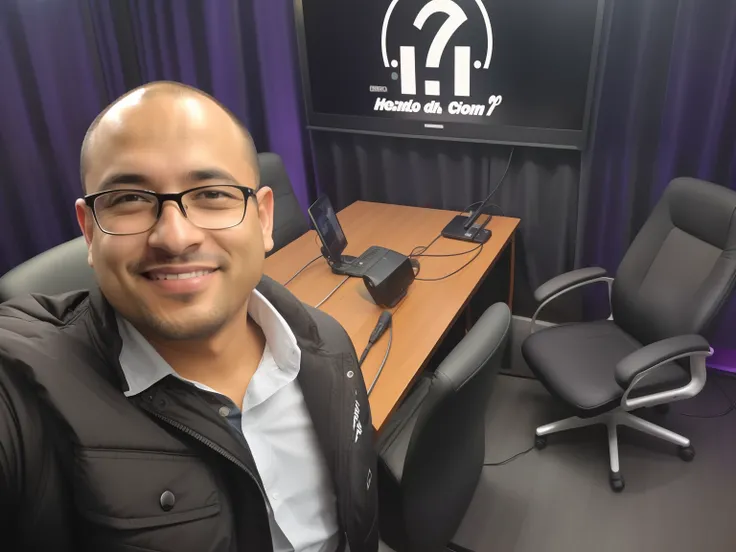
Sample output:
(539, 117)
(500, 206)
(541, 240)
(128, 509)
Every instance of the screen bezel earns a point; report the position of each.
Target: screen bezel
(460, 132)
(320, 202)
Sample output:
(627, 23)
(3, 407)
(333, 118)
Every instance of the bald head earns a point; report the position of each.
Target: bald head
(144, 109)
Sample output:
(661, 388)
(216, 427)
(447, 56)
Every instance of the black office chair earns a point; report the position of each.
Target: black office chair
(60, 269)
(433, 448)
(289, 221)
(670, 285)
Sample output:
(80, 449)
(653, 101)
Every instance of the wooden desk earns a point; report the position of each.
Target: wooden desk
(421, 320)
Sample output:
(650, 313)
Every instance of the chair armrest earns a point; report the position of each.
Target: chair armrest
(657, 353)
(568, 280)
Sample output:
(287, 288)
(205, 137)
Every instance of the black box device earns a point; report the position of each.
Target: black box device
(389, 278)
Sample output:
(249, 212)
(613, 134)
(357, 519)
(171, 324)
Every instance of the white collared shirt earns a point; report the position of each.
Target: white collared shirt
(276, 425)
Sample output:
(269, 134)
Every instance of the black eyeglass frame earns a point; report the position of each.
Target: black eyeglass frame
(89, 199)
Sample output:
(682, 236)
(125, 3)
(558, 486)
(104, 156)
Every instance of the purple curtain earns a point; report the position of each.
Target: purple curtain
(50, 92)
(667, 108)
(63, 61)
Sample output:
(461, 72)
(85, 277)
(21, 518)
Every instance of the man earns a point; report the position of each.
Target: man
(190, 403)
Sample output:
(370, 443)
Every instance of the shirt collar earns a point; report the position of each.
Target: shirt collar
(142, 366)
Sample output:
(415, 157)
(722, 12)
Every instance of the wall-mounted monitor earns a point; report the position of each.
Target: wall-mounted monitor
(505, 71)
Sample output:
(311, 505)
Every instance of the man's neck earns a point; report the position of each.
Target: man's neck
(225, 362)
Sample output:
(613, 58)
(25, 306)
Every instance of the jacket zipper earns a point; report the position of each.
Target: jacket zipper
(342, 457)
(217, 448)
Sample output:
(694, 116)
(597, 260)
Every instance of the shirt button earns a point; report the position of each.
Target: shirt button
(275, 496)
(224, 411)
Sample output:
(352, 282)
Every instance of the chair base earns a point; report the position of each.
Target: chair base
(612, 420)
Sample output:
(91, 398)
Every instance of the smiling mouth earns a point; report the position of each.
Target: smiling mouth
(179, 275)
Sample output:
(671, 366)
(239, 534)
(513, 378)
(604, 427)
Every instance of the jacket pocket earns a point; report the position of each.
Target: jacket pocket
(123, 489)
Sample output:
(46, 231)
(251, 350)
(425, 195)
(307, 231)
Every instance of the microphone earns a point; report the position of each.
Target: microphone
(384, 321)
(474, 215)
(461, 227)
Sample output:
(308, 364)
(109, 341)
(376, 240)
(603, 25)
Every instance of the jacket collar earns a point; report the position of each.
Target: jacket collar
(107, 339)
(293, 310)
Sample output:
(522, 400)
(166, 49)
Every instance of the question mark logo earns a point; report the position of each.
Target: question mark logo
(407, 54)
(455, 18)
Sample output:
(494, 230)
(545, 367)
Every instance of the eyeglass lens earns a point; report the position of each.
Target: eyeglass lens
(133, 212)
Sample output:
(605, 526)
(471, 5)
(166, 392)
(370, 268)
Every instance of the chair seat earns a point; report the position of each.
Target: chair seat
(577, 362)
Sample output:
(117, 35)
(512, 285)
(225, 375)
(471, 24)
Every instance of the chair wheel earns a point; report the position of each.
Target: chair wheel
(662, 408)
(617, 481)
(686, 453)
(540, 441)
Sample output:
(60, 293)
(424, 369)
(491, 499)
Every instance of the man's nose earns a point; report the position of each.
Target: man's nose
(173, 231)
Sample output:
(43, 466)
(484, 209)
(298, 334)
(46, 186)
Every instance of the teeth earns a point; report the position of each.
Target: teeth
(181, 276)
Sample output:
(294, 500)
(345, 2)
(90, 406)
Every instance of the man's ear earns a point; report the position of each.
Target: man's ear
(264, 198)
(86, 222)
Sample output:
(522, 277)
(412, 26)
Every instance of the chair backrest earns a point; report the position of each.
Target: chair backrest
(58, 270)
(680, 268)
(447, 446)
(289, 221)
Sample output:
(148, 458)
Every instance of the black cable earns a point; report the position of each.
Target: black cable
(498, 207)
(338, 286)
(302, 269)
(438, 236)
(383, 362)
(423, 248)
(505, 172)
(731, 406)
(423, 253)
(511, 459)
(474, 216)
(445, 254)
(479, 248)
(708, 417)
(503, 177)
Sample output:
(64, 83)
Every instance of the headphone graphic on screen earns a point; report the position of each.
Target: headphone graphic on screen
(406, 63)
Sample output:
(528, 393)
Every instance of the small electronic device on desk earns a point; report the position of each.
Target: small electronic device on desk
(469, 228)
(334, 242)
(389, 279)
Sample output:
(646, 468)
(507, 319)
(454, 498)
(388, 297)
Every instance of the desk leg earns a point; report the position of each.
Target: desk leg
(511, 272)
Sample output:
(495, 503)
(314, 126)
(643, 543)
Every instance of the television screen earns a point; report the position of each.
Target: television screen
(507, 71)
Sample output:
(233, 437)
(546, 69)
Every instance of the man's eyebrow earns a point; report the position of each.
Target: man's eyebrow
(200, 175)
(122, 178)
(209, 174)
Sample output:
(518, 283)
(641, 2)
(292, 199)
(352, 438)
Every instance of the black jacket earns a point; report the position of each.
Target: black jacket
(82, 467)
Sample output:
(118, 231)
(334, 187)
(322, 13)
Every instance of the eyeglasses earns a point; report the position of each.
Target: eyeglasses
(126, 212)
